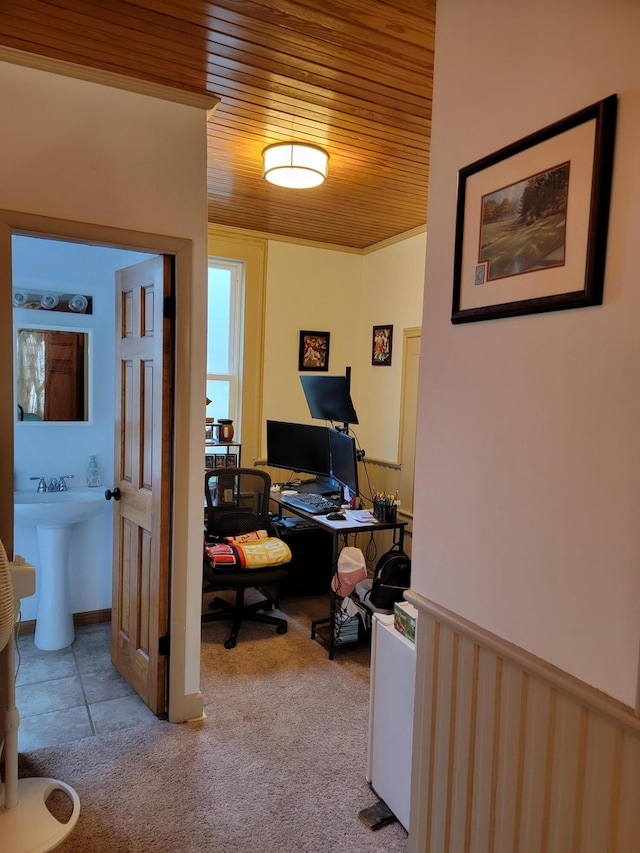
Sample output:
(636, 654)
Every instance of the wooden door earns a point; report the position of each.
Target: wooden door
(64, 376)
(142, 474)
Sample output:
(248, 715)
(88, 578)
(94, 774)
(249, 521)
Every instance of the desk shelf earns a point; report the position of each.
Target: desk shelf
(221, 454)
(322, 629)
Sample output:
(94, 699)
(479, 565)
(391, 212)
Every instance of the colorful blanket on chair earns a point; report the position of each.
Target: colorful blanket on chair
(250, 551)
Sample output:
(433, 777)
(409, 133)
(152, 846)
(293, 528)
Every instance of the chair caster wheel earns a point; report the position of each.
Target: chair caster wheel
(229, 644)
(281, 629)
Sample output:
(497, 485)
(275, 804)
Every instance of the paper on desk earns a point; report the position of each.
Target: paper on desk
(362, 516)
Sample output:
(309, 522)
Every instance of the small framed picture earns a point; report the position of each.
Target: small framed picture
(381, 346)
(225, 460)
(314, 351)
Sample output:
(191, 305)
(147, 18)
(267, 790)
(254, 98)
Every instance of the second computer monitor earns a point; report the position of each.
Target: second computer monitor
(299, 447)
(344, 463)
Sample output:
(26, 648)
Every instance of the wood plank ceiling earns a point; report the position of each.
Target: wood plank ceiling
(354, 77)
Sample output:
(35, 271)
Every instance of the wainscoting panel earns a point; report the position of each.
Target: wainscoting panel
(512, 755)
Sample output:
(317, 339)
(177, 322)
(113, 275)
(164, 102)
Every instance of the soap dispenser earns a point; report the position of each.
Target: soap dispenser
(93, 474)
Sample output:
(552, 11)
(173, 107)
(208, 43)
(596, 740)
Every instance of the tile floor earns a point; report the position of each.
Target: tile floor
(73, 693)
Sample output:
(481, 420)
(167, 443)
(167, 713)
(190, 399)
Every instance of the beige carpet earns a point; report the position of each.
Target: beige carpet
(277, 766)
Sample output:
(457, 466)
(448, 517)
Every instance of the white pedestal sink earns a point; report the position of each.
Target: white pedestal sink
(53, 514)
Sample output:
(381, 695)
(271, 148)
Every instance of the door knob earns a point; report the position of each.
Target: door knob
(115, 494)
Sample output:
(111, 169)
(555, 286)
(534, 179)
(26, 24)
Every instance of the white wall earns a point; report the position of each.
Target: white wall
(345, 294)
(528, 471)
(77, 151)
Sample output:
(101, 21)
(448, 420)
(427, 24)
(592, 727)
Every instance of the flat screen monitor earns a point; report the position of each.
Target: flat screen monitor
(344, 467)
(329, 399)
(299, 447)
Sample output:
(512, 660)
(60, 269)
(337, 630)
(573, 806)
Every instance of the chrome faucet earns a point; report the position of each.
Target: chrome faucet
(42, 485)
(57, 484)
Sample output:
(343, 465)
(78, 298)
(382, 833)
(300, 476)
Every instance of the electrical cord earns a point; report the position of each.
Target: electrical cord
(17, 646)
(361, 452)
(371, 550)
(292, 481)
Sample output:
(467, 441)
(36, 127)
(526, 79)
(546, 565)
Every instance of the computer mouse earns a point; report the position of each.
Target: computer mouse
(336, 516)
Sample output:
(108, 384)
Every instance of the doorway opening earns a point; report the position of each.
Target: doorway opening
(56, 447)
(77, 283)
(182, 522)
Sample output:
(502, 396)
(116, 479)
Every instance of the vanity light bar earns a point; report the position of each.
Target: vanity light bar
(47, 300)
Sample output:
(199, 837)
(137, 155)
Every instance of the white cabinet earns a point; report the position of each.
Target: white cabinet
(393, 673)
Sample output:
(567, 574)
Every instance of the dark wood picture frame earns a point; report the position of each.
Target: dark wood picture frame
(381, 346)
(313, 354)
(532, 220)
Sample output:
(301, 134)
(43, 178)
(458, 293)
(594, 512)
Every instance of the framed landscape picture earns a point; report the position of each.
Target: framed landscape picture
(314, 351)
(532, 220)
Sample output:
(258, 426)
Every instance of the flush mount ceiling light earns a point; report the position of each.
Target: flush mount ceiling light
(297, 165)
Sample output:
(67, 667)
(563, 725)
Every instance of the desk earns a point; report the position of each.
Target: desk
(337, 529)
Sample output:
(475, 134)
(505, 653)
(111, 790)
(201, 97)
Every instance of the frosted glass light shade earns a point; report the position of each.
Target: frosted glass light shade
(49, 300)
(295, 164)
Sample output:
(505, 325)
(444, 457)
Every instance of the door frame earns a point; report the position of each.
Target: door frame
(408, 415)
(186, 525)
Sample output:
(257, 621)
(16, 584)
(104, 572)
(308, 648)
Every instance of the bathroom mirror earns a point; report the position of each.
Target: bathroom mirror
(52, 374)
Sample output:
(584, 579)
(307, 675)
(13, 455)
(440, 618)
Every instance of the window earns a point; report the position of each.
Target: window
(224, 340)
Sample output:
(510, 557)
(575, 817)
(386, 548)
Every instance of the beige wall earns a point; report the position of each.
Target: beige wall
(345, 294)
(528, 471)
(308, 288)
(389, 297)
(75, 152)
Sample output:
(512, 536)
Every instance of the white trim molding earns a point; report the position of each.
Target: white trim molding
(208, 103)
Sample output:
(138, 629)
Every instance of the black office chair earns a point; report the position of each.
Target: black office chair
(237, 504)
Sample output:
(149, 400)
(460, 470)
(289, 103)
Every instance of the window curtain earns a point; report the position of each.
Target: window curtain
(31, 359)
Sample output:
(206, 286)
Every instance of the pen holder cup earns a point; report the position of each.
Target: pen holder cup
(385, 512)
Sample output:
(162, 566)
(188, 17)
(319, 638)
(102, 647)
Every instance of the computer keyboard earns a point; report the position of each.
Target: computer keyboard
(311, 503)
